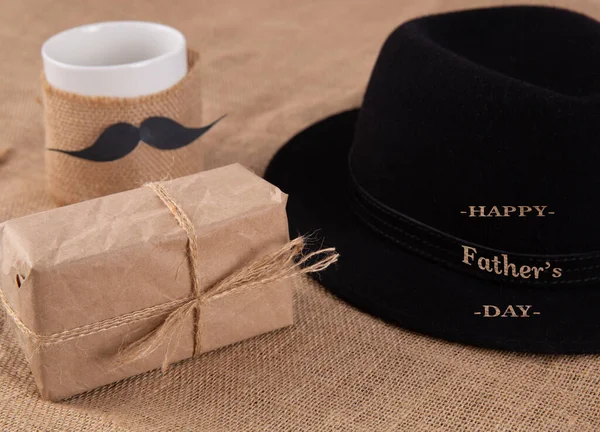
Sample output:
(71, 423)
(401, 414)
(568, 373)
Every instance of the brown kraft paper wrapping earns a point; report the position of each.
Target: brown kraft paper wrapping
(74, 122)
(103, 258)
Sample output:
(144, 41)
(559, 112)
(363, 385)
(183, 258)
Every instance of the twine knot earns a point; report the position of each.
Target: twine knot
(282, 264)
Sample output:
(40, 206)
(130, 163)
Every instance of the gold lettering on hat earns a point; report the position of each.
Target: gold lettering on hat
(507, 211)
(508, 311)
(501, 265)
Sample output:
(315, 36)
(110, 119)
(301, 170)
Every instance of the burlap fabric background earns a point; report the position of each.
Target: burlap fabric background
(275, 66)
(74, 122)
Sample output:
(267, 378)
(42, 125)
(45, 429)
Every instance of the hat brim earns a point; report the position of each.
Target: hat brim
(384, 280)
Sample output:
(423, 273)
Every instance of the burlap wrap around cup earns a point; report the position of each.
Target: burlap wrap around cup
(74, 122)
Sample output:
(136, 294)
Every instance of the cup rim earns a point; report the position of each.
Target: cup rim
(141, 63)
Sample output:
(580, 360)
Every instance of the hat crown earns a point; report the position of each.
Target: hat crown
(491, 108)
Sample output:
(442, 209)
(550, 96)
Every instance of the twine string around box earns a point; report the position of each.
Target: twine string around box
(286, 262)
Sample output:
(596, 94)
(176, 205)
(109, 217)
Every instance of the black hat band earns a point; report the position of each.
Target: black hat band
(468, 257)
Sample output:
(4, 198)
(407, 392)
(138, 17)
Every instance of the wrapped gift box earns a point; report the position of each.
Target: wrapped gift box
(106, 272)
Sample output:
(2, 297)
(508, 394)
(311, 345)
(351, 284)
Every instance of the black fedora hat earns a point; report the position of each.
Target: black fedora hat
(464, 195)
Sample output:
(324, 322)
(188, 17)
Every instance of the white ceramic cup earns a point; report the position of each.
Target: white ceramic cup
(118, 58)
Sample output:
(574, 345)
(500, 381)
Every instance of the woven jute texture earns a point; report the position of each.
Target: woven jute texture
(275, 66)
(74, 122)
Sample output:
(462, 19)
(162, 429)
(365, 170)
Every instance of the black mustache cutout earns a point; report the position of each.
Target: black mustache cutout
(120, 139)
